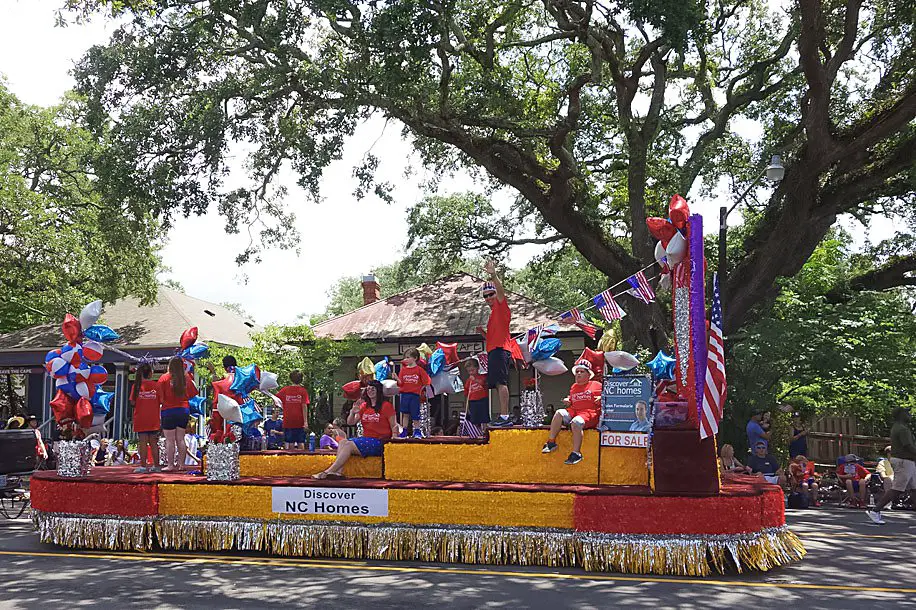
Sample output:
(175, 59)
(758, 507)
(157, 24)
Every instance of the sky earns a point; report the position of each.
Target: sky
(36, 57)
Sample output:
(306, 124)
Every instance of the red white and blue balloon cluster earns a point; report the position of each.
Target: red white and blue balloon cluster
(74, 368)
(672, 246)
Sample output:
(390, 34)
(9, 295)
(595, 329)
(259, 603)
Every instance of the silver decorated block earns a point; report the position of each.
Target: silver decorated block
(73, 458)
(222, 461)
(532, 409)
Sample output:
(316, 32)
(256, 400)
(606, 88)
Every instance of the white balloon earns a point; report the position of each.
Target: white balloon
(664, 282)
(447, 382)
(229, 408)
(268, 381)
(550, 366)
(90, 314)
(390, 387)
(676, 250)
(82, 389)
(621, 360)
(98, 419)
(660, 255)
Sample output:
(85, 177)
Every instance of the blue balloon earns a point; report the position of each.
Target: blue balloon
(436, 362)
(545, 349)
(662, 366)
(249, 413)
(246, 380)
(101, 333)
(69, 389)
(197, 404)
(101, 401)
(196, 351)
(382, 369)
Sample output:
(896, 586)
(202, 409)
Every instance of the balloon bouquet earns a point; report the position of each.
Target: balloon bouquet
(76, 375)
(246, 413)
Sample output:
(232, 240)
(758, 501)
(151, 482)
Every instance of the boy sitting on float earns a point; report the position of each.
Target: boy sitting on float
(583, 412)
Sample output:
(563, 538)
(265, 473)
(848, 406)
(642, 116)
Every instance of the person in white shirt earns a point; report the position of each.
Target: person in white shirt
(192, 441)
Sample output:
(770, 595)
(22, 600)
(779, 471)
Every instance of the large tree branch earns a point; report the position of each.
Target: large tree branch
(816, 107)
(894, 273)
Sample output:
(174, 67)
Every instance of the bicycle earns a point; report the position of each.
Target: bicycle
(17, 463)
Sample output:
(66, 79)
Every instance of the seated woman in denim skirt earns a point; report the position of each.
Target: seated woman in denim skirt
(379, 424)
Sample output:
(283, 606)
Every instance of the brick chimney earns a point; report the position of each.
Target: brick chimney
(371, 292)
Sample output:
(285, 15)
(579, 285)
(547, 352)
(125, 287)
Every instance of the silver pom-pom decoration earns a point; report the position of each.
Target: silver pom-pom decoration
(222, 462)
(424, 419)
(73, 458)
(532, 408)
(682, 329)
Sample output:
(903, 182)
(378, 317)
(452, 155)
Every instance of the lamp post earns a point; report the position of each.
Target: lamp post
(774, 172)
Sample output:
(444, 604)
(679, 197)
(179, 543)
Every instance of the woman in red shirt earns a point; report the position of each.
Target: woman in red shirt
(379, 424)
(175, 388)
(146, 398)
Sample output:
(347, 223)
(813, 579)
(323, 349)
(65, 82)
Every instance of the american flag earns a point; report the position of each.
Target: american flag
(534, 335)
(639, 287)
(576, 318)
(466, 428)
(716, 388)
(483, 360)
(608, 307)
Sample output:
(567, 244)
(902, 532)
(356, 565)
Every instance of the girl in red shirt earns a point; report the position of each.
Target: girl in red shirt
(146, 398)
(176, 387)
(583, 412)
(379, 424)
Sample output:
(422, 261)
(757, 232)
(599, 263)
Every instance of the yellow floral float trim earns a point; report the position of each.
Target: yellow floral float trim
(306, 465)
(414, 506)
(623, 466)
(669, 555)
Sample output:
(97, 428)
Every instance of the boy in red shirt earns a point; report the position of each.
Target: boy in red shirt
(803, 478)
(855, 477)
(583, 412)
(477, 393)
(295, 399)
(411, 381)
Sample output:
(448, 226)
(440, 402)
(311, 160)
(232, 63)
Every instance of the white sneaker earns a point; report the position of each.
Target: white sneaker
(875, 516)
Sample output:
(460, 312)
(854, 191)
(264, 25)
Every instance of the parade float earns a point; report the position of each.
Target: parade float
(646, 500)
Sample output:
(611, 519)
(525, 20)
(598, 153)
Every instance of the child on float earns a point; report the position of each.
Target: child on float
(295, 399)
(478, 394)
(377, 416)
(146, 398)
(221, 385)
(583, 412)
(411, 381)
(175, 387)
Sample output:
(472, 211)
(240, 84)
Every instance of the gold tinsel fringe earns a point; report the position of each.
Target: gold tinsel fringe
(698, 555)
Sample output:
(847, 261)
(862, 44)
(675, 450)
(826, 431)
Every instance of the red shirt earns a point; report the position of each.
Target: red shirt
(585, 396)
(376, 425)
(857, 471)
(169, 400)
(476, 387)
(146, 406)
(498, 326)
(294, 397)
(411, 379)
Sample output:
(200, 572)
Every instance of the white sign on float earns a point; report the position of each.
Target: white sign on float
(639, 440)
(336, 501)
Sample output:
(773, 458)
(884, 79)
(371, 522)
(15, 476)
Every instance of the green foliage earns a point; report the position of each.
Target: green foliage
(62, 242)
(281, 349)
(824, 358)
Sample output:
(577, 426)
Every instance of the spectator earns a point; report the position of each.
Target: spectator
(854, 477)
(886, 470)
(437, 431)
(766, 465)
(729, 464)
(41, 452)
(516, 418)
(903, 459)
(15, 423)
(799, 443)
(98, 451)
(329, 440)
(802, 478)
(379, 424)
(452, 428)
(756, 433)
(117, 456)
(273, 428)
(548, 415)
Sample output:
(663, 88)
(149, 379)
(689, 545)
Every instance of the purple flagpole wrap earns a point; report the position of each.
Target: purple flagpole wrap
(698, 345)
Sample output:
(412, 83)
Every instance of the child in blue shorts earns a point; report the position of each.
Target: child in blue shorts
(478, 394)
(411, 381)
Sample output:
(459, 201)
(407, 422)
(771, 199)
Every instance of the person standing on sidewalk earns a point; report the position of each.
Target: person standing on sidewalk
(903, 459)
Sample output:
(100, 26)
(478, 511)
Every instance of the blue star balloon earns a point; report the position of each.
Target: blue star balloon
(662, 366)
(101, 401)
(101, 333)
(246, 380)
(249, 414)
(196, 405)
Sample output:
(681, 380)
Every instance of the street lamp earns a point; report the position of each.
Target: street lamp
(774, 172)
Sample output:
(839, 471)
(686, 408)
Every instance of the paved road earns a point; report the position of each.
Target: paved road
(850, 564)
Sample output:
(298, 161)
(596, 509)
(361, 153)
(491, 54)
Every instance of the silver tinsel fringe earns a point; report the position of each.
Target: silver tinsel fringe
(222, 462)
(698, 555)
(73, 458)
(532, 409)
(425, 424)
(682, 329)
